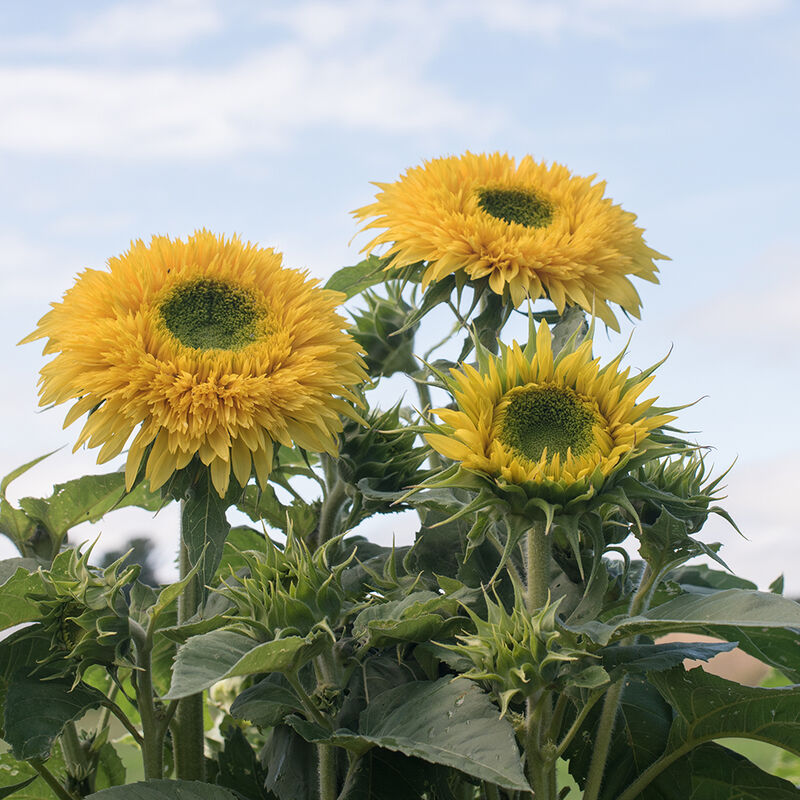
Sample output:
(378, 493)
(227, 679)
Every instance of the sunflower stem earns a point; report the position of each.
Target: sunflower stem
(424, 392)
(334, 500)
(188, 730)
(608, 716)
(539, 749)
(152, 731)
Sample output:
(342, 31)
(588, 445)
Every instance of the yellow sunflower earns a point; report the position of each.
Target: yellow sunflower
(528, 228)
(208, 347)
(558, 426)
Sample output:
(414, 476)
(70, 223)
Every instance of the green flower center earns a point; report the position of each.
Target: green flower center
(208, 314)
(522, 206)
(552, 417)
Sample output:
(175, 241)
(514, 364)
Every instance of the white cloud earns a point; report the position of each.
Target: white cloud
(259, 103)
(124, 27)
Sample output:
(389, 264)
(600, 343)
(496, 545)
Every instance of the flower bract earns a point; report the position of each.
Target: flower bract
(557, 425)
(530, 229)
(206, 347)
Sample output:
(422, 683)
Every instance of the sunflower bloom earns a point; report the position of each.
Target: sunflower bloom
(558, 426)
(208, 347)
(530, 229)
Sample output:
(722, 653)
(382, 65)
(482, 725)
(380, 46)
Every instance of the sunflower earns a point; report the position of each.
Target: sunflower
(558, 426)
(210, 348)
(530, 229)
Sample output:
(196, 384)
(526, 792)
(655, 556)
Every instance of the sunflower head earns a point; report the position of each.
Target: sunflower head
(206, 347)
(556, 427)
(529, 229)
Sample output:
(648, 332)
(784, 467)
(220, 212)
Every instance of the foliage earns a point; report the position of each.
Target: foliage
(515, 639)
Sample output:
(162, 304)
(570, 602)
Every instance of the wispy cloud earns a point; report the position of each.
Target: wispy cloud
(125, 27)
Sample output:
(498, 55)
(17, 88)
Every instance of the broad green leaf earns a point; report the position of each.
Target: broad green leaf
(165, 790)
(110, 769)
(55, 703)
(352, 280)
(15, 604)
(14, 775)
(210, 657)
(709, 707)
(693, 612)
(642, 658)
(445, 722)
(86, 499)
(700, 576)
(393, 776)
(412, 619)
(266, 703)
(291, 764)
(205, 527)
(718, 773)
(238, 767)
(30, 786)
(778, 647)
(641, 730)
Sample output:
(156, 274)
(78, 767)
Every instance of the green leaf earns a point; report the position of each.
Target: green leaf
(709, 707)
(291, 765)
(641, 730)
(28, 787)
(445, 722)
(14, 775)
(352, 280)
(694, 577)
(718, 773)
(15, 605)
(86, 499)
(110, 769)
(210, 657)
(692, 612)
(165, 790)
(412, 619)
(642, 658)
(239, 768)
(393, 776)
(31, 735)
(266, 703)
(205, 527)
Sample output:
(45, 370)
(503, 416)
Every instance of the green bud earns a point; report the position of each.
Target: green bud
(378, 329)
(85, 612)
(520, 654)
(385, 456)
(287, 592)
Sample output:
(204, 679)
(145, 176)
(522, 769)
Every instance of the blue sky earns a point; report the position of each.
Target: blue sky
(119, 120)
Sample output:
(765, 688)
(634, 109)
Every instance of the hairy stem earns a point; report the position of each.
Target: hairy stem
(189, 735)
(152, 730)
(539, 708)
(330, 511)
(426, 403)
(608, 716)
(326, 755)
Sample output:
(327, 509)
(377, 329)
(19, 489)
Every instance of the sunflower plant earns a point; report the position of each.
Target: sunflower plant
(512, 650)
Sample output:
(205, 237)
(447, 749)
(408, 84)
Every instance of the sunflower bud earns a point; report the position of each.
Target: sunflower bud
(383, 455)
(289, 592)
(85, 612)
(680, 486)
(517, 653)
(381, 333)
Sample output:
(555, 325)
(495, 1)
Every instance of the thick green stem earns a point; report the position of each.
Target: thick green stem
(426, 402)
(608, 716)
(330, 511)
(537, 551)
(152, 730)
(326, 755)
(539, 750)
(188, 730)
